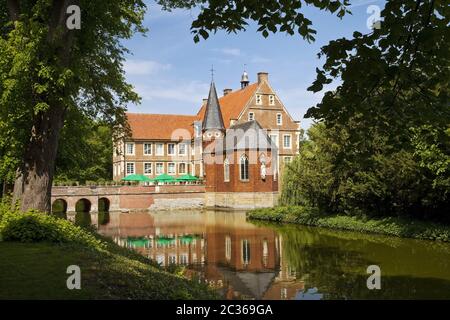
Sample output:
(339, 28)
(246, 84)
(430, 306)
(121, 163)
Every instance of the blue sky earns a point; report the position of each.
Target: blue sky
(172, 73)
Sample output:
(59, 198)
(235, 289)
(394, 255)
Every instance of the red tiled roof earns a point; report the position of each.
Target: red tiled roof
(159, 126)
(232, 104)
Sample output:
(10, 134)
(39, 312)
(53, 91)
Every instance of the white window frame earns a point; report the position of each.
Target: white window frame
(126, 148)
(258, 99)
(174, 166)
(144, 151)
(251, 116)
(244, 156)
(156, 168)
(290, 141)
(174, 149)
(226, 170)
(185, 168)
(280, 122)
(185, 153)
(151, 168)
(271, 100)
(156, 149)
(126, 168)
(285, 159)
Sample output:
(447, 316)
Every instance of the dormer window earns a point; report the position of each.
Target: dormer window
(271, 100)
(258, 99)
(251, 116)
(279, 119)
(217, 134)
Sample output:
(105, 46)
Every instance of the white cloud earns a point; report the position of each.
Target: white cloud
(235, 52)
(257, 60)
(189, 92)
(144, 67)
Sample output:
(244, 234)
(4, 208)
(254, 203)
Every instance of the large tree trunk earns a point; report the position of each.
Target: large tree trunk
(32, 188)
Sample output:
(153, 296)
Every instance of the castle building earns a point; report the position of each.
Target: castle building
(237, 143)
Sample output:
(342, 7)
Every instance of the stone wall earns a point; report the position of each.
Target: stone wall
(241, 200)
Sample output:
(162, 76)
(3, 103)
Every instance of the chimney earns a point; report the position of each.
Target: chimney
(263, 76)
(226, 91)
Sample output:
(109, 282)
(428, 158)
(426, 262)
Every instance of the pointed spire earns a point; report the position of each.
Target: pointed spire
(213, 115)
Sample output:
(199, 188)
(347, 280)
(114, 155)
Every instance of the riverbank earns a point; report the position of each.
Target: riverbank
(36, 250)
(388, 226)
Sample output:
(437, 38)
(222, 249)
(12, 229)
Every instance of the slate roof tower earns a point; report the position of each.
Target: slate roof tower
(213, 119)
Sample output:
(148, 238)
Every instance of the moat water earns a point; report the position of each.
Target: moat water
(246, 260)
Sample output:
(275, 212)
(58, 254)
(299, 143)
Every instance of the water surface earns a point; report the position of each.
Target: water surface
(245, 260)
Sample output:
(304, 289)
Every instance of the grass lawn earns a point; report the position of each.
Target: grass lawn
(38, 271)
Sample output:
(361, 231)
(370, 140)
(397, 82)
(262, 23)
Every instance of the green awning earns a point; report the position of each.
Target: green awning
(164, 178)
(137, 177)
(187, 177)
(165, 240)
(137, 242)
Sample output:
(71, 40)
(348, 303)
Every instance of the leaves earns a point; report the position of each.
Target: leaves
(270, 15)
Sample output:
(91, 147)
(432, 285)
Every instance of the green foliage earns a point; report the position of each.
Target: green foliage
(48, 72)
(392, 226)
(378, 179)
(85, 150)
(270, 16)
(36, 227)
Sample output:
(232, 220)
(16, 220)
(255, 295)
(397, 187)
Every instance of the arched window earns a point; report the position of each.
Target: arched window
(226, 171)
(243, 168)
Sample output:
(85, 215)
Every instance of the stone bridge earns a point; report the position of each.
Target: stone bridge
(127, 198)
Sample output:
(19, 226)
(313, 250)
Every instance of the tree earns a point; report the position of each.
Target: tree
(47, 69)
(85, 151)
(393, 78)
(270, 15)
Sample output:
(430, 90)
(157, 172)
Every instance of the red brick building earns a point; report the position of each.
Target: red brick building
(238, 143)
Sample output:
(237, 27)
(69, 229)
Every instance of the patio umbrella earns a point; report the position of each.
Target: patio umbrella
(187, 177)
(164, 178)
(137, 177)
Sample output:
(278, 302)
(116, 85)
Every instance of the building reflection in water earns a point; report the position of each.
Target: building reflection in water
(242, 260)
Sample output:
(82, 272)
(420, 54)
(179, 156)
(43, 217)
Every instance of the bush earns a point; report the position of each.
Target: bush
(398, 227)
(35, 227)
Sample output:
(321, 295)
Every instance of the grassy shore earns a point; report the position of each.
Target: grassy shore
(388, 226)
(35, 251)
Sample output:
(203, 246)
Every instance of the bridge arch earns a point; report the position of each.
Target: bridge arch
(59, 208)
(104, 204)
(83, 205)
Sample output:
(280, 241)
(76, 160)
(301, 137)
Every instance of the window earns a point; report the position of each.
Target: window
(171, 169)
(159, 149)
(287, 141)
(271, 100)
(226, 171)
(228, 248)
(279, 119)
(182, 168)
(148, 168)
(245, 246)
(130, 148)
(274, 138)
(171, 149)
(159, 168)
(258, 99)
(243, 166)
(251, 116)
(130, 168)
(147, 149)
(287, 160)
(182, 149)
